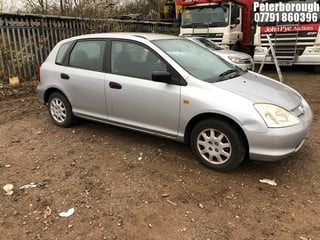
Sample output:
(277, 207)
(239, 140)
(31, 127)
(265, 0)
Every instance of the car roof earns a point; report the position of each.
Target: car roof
(127, 35)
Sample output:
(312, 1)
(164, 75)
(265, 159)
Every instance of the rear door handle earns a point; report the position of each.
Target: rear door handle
(115, 85)
(64, 76)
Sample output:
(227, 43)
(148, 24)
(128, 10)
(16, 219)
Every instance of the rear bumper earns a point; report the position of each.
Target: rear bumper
(40, 94)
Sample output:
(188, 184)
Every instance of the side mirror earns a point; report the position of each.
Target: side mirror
(161, 76)
(235, 21)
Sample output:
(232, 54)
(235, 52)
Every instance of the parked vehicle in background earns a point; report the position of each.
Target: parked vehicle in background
(231, 24)
(237, 58)
(295, 43)
(227, 23)
(172, 87)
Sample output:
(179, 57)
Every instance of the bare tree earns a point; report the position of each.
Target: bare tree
(2, 6)
(84, 8)
(37, 6)
(148, 9)
(9, 6)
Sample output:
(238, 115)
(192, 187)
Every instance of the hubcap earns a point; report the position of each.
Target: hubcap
(214, 146)
(58, 110)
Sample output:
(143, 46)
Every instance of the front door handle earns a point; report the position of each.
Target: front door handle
(65, 76)
(115, 85)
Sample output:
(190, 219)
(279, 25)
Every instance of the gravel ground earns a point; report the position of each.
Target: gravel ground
(128, 185)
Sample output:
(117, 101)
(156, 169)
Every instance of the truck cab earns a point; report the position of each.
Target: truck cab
(295, 42)
(227, 23)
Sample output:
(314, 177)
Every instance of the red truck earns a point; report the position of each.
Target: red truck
(228, 23)
(296, 41)
(233, 24)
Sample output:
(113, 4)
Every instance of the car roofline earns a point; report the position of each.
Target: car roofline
(126, 35)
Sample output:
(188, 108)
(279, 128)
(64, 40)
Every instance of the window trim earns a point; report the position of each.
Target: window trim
(106, 61)
(180, 80)
(66, 54)
(66, 61)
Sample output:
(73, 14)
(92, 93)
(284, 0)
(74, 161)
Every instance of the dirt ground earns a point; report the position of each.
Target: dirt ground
(128, 185)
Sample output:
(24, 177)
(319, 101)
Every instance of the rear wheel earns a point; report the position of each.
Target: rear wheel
(217, 145)
(60, 110)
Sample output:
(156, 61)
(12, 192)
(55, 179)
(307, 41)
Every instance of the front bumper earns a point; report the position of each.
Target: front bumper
(307, 58)
(301, 60)
(279, 143)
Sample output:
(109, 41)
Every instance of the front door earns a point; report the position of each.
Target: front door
(133, 99)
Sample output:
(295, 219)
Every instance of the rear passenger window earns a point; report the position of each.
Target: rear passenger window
(88, 55)
(62, 52)
(134, 60)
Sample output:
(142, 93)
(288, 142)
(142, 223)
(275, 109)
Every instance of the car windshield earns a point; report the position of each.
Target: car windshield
(212, 16)
(197, 60)
(209, 44)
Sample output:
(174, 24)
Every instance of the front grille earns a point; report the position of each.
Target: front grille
(215, 37)
(298, 111)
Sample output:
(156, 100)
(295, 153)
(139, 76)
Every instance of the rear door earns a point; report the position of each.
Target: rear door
(83, 78)
(133, 99)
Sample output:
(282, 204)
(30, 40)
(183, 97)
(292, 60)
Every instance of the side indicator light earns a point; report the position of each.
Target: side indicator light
(186, 101)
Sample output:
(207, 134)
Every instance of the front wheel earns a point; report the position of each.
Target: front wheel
(217, 145)
(60, 110)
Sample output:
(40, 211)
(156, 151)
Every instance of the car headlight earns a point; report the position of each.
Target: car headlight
(275, 116)
(236, 60)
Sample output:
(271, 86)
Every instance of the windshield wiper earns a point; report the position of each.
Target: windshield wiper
(215, 24)
(194, 25)
(228, 72)
(186, 24)
(222, 76)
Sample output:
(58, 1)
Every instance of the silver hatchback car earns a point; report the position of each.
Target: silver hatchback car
(172, 87)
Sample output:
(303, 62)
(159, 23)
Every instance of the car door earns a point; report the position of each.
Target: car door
(133, 99)
(84, 78)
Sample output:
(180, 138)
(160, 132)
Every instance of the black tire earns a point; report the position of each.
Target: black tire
(60, 110)
(225, 149)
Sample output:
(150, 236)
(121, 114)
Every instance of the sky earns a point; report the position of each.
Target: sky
(11, 5)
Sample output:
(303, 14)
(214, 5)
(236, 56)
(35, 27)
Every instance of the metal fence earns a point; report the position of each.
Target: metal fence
(26, 40)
